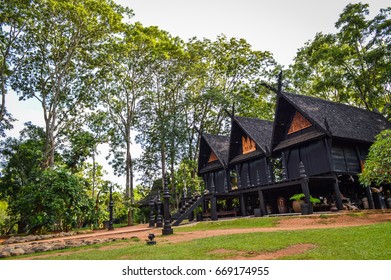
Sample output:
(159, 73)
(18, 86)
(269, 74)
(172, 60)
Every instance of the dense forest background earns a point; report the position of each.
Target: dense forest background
(99, 78)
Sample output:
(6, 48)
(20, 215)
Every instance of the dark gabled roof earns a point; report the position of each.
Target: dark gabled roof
(259, 130)
(220, 146)
(339, 120)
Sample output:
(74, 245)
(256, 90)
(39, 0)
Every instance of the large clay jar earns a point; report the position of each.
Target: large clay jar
(296, 205)
(282, 205)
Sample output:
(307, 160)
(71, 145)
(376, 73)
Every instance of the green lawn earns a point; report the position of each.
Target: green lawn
(232, 223)
(364, 243)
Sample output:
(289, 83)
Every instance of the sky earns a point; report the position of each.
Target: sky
(278, 26)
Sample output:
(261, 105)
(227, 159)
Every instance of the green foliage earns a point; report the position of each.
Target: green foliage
(55, 200)
(301, 196)
(7, 222)
(351, 66)
(185, 179)
(41, 199)
(377, 168)
(13, 18)
(60, 201)
(56, 53)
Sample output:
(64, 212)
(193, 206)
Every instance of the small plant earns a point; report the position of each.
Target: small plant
(301, 196)
(323, 216)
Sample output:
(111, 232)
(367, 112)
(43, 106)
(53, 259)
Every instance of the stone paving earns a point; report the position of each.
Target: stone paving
(16, 246)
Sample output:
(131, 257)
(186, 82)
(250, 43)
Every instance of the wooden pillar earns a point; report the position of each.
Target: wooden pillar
(229, 203)
(269, 171)
(304, 187)
(204, 207)
(338, 196)
(238, 177)
(284, 170)
(262, 205)
(228, 186)
(370, 198)
(248, 181)
(242, 205)
(213, 207)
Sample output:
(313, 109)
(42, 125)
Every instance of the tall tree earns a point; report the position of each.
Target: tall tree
(58, 44)
(351, 66)
(13, 18)
(160, 122)
(127, 66)
(193, 84)
(223, 74)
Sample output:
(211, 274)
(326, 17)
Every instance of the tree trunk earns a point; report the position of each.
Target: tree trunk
(129, 181)
(172, 170)
(163, 161)
(48, 160)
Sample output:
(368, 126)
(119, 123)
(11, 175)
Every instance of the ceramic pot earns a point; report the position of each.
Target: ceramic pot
(296, 205)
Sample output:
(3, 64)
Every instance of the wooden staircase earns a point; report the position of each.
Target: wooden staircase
(187, 209)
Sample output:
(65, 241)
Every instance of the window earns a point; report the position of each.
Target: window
(345, 158)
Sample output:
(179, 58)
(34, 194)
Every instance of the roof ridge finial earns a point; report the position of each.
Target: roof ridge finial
(326, 124)
(198, 130)
(231, 115)
(279, 87)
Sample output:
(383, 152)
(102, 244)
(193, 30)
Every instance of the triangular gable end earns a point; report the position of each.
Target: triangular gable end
(248, 145)
(212, 157)
(298, 123)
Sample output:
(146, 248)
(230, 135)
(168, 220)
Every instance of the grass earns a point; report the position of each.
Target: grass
(232, 223)
(371, 242)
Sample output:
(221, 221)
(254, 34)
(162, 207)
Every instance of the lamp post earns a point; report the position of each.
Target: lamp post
(167, 230)
(111, 206)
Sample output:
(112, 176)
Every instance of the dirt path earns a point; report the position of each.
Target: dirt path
(346, 219)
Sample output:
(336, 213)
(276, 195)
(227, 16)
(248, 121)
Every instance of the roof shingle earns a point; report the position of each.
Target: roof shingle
(219, 145)
(259, 130)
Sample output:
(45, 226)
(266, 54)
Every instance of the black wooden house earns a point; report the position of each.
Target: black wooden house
(213, 162)
(314, 147)
(330, 139)
(249, 151)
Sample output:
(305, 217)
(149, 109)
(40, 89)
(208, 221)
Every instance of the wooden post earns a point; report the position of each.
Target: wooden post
(229, 203)
(262, 205)
(284, 171)
(242, 205)
(238, 177)
(228, 186)
(269, 171)
(213, 207)
(305, 188)
(338, 196)
(370, 198)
